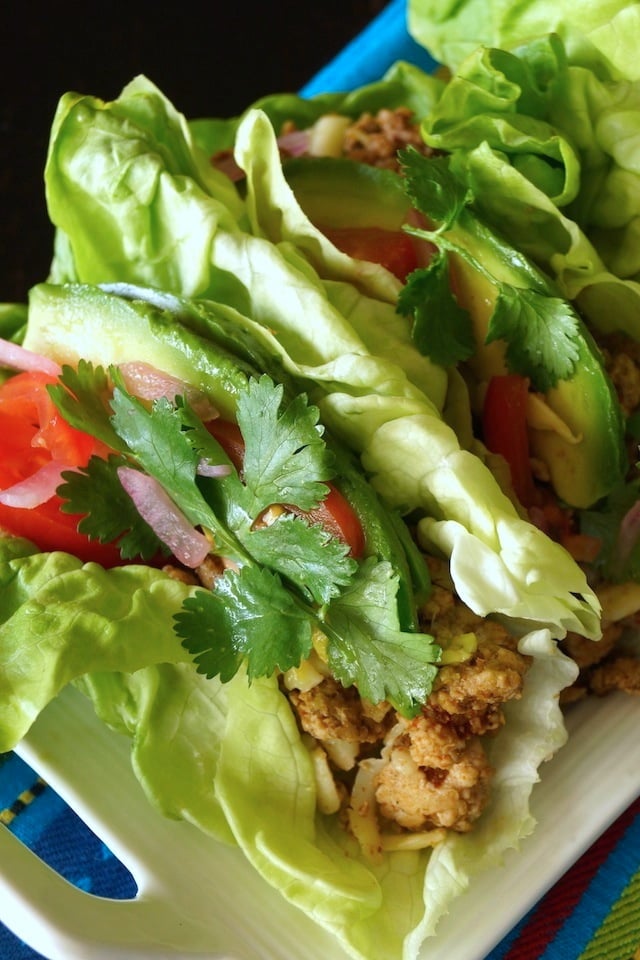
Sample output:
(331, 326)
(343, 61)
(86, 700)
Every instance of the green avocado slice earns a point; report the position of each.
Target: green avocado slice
(585, 470)
(587, 460)
(337, 192)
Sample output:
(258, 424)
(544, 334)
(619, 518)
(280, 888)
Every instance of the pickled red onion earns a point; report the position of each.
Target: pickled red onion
(168, 522)
(148, 383)
(18, 358)
(36, 489)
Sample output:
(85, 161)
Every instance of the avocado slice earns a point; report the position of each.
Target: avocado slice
(589, 459)
(74, 321)
(336, 192)
(583, 472)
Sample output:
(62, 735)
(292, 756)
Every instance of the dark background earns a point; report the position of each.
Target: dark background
(210, 60)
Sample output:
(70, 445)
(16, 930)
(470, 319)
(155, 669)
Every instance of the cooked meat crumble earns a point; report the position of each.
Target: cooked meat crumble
(418, 797)
(432, 771)
(328, 711)
(375, 139)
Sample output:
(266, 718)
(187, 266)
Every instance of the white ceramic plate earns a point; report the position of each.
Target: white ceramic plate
(199, 898)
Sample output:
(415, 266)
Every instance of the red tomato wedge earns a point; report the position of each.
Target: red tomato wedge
(338, 518)
(335, 513)
(504, 424)
(393, 249)
(32, 434)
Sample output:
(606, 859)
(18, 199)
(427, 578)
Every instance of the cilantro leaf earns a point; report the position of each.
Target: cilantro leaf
(304, 554)
(431, 186)
(368, 649)
(286, 460)
(82, 397)
(441, 330)
(540, 332)
(162, 448)
(109, 514)
(249, 617)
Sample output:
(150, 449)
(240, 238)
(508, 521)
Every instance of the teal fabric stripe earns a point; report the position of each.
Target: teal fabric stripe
(602, 893)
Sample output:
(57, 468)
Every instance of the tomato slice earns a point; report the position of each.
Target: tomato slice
(338, 517)
(393, 249)
(50, 529)
(504, 424)
(32, 434)
(335, 513)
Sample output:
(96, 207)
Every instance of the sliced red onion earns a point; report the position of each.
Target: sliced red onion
(36, 489)
(146, 382)
(206, 469)
(18, 358)
(168, 522)
(295, 143)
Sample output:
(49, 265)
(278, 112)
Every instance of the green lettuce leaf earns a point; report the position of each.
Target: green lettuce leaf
(147, 187)
(176, 720)
(549, 152)
(601, 36)
(60, 618)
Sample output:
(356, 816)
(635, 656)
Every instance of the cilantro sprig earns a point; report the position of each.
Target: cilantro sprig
(540, 329)
(286, 460)
(289, 578)
(367, 648)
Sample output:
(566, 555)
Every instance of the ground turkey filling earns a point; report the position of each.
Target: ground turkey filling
(432, 771)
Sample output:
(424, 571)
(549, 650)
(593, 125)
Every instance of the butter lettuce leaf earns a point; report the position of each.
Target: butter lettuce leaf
(175, 720)
(600, 36)
(548, 149)
(60, 618)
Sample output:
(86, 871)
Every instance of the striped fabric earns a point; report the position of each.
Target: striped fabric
(43, 821)
(592, 913)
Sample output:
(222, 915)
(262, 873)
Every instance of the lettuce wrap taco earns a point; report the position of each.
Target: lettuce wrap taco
(538, 129)
(333, 707)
